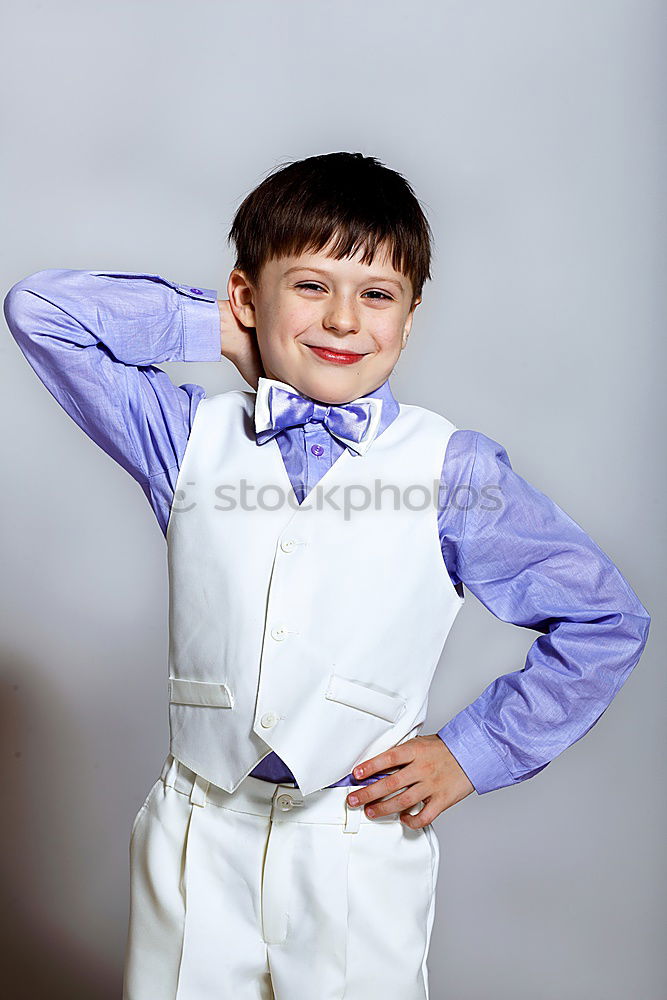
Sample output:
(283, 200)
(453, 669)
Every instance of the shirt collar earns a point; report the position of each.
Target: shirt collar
(390, 405)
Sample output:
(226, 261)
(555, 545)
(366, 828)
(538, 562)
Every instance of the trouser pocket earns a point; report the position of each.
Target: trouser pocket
(144, 808)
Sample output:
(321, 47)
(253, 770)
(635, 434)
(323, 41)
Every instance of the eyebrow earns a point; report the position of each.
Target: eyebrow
(317, 270)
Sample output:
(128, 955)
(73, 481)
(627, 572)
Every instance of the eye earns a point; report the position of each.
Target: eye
(313, 285)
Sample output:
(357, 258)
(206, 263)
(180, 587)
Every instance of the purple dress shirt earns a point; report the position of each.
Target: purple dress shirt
(94, 339)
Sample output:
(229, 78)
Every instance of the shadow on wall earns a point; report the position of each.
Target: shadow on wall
(44, 893)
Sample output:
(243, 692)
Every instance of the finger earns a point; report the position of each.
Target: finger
(398, 803)
(394, 757)
(423, 817)
(401, 778)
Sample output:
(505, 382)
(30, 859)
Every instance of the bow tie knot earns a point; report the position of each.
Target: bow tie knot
(278, 405)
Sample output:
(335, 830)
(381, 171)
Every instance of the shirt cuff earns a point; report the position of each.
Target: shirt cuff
(201, 323)
(476, 755)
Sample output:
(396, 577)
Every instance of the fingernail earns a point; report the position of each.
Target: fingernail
(370, 812)
(353, 800)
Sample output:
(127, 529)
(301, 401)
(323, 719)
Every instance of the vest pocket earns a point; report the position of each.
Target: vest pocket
(203, 693)
(387, 706)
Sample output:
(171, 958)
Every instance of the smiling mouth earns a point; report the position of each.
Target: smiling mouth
(335, 356)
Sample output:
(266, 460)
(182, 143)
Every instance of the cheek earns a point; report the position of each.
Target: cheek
(389, 340)
(287, 320)
(297, 317)
(278, 330)
(287, 328)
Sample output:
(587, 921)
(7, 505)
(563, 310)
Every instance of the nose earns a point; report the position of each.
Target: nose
(341, 316)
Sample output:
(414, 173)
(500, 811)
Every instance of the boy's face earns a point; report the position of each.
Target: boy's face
(314, 301)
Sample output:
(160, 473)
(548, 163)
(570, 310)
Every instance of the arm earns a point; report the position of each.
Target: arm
(94, 337)
(530, 564)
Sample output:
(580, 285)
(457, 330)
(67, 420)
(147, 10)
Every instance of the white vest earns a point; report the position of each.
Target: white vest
(304, 629)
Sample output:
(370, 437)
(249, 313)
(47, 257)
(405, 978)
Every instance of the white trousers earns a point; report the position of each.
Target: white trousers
(264, 894)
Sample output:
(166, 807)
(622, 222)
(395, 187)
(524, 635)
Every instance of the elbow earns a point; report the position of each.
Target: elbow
(636, 626)
(622, 635)
(15, 306)
(630, 624)
(642, 620)
(21, 304)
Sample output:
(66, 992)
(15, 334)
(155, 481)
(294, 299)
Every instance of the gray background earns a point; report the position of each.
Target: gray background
(533, 134)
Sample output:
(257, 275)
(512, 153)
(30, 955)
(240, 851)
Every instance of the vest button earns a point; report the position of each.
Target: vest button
(268, 719)
(287, 545)
(280, 632)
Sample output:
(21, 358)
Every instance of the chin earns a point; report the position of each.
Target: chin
(330, 389)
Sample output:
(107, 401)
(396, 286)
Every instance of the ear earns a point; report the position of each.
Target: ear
(240, 293)
(408, 322)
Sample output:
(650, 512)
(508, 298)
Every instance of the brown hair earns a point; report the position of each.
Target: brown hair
(303, 205)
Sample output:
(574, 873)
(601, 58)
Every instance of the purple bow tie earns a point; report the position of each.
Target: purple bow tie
(279, 405)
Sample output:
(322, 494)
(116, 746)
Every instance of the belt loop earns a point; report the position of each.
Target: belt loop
(169, 769)
(352, 818)
(199, 790)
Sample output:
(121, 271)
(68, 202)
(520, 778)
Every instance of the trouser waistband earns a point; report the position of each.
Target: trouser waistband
(284, 803)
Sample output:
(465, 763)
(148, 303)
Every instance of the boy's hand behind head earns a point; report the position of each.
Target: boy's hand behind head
(238, 344)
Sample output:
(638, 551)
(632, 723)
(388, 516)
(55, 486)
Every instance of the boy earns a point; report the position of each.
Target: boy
(318, 546)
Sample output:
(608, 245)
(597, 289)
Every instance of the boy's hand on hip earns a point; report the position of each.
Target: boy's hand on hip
(238, 344)
(427, 772)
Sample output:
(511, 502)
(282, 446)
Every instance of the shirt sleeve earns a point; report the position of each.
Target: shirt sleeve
(94, 338)
(530, 564)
